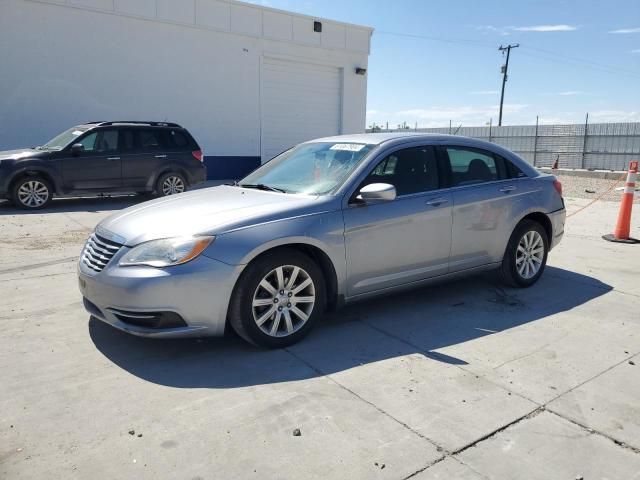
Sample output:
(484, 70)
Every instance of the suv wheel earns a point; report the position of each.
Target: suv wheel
(526, 254)
(32, 193)
(278, 299)
(171, 184)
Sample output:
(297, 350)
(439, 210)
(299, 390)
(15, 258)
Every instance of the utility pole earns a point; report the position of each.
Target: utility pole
(505, 69)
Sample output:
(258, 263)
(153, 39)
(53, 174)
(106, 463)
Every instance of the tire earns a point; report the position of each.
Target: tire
(523, 261)
(255, 323)
(171, 183)
(32, 192)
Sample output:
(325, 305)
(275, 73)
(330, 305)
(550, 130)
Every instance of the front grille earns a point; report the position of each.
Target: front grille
(98, 252)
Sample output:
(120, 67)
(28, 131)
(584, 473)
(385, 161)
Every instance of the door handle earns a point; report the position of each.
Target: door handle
(161, 156)
(436, 202)
(508, 189)
(113, 158)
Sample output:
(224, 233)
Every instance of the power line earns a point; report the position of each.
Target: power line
(505, 71)
(462, 41)
(547, 54)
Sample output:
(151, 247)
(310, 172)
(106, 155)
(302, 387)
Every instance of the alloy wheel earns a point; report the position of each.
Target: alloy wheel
(529, 254)
(283, 301)
(33, 194)
(172, 185)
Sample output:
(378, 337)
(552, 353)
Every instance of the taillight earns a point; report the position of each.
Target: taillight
(197, 154)
(558, 186)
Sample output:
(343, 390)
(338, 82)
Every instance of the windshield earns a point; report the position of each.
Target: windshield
(311, 168)
(64, 139)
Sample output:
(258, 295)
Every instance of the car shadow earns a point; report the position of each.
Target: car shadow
(78, 204)
(420, 321)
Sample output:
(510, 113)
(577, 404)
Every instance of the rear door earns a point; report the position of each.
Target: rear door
(484, 198)
(98, 166)
(148, 155)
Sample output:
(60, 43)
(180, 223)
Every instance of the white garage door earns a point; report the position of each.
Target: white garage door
(300, 101)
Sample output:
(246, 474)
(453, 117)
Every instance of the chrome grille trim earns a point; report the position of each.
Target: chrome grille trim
(98, 252)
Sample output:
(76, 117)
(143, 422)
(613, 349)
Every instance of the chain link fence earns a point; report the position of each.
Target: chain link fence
(596, 146)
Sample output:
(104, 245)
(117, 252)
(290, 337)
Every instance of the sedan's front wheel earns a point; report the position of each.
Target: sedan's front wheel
(526, 254)
(278, 299)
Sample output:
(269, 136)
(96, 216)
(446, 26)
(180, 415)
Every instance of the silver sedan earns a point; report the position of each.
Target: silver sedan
(328, 222)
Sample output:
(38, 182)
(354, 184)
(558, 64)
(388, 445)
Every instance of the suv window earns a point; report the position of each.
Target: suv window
(101, 141)
(175, 139)
(127, 140)
(150, 139)
(471, 165)
(411, 170)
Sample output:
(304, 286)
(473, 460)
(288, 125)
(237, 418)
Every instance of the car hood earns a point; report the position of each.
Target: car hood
(211, 211)
(20, 153)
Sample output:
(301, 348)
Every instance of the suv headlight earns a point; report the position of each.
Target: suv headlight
(166, 252)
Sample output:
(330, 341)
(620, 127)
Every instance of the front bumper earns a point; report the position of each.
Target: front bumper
(194, 295)
(557, 226)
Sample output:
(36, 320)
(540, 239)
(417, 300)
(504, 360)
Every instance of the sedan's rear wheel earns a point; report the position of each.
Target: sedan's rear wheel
(32, 193)
(526, 254)
(277, 299)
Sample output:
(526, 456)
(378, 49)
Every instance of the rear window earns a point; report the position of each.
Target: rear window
(176, 139)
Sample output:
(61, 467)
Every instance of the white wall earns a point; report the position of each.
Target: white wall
(195, 62)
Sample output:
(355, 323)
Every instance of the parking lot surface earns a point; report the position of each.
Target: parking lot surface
(466, 380)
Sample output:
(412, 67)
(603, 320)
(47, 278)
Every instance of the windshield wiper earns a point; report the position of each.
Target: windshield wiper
(261, 186)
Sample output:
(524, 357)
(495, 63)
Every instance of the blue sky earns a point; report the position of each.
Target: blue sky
(575, 57)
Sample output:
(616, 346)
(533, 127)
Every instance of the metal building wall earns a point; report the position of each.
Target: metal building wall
(599, 146)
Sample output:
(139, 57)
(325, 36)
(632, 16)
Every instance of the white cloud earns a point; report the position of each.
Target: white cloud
(467, 115)
(493, 29)
(484, 92)
(614, 116)
(637, 50)
(570, 93)
(626, 30)
(546, 28)
(528, 28)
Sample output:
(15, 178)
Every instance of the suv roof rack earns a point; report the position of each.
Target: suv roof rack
(135, 122)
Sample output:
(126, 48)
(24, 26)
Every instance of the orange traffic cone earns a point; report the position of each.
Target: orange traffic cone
(623, 226)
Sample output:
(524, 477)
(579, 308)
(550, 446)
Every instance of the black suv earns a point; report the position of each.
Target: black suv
(103, 157)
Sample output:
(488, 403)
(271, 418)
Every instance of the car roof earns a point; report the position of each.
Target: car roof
(398, 138)
(130, 123)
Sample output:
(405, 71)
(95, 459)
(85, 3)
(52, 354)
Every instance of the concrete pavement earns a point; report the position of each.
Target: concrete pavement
(464, 380)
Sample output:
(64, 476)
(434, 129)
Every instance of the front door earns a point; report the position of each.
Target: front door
(404, 240)
(98, 166)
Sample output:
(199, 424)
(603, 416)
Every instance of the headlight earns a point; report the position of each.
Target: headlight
(166, 252)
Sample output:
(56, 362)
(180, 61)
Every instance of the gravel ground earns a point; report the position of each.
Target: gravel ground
(582, 187)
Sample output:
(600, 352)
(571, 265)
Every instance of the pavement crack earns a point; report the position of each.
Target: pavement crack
(593, 431)
(439, 448)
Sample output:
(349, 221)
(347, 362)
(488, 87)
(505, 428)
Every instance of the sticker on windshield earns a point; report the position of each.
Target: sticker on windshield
(77, 132)
(349, 147)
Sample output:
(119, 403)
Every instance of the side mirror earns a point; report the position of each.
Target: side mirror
(377, 192)
(77, 149)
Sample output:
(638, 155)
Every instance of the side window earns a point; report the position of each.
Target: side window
(127, 144)
(412, 170)
(150, 139)
(470, 166)
(175, 139)
(107, 141)
(89, 142)
(512, 170)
